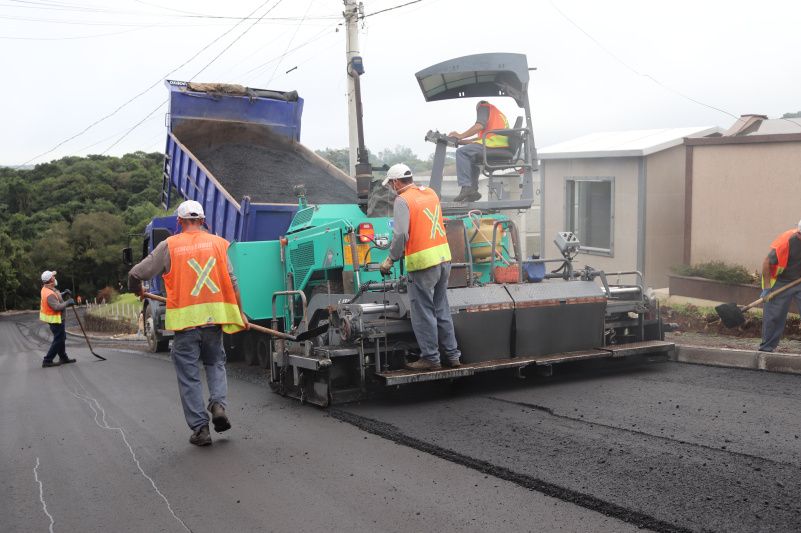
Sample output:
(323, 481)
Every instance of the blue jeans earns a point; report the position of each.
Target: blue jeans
(431, 313)
(189, 348)
(468, 159)
(58, 346)
(774, 316)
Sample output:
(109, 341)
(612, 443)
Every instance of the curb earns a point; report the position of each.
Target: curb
(784, 363)
(104, 338)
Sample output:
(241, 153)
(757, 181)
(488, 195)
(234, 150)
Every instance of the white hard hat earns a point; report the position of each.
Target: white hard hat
(190, 209)
(799, 225)
(47, 275)
(397, 172)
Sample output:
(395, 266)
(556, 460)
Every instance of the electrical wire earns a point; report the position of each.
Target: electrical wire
(115, 143)
(635, 71)
(130, 100)
(288, 44)
(392, 8)
(298, 47)
(94, 36)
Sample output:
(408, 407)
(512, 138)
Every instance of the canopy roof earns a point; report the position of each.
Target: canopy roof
(495, 74)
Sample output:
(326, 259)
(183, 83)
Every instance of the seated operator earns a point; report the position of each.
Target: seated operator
(469, 156)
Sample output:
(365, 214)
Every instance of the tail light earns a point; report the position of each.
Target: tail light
(366, 232)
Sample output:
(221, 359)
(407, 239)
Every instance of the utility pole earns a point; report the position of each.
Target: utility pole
(353, 10)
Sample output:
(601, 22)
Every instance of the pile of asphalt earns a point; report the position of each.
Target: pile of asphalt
(268, 175)
(670, 448)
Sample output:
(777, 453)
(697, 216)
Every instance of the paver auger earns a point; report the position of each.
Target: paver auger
(508, 312)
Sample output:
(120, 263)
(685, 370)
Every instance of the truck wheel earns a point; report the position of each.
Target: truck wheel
(154, 342)
(249, 349)
(263, 350)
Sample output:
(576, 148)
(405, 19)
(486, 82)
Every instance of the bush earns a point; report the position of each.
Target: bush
(718, 271)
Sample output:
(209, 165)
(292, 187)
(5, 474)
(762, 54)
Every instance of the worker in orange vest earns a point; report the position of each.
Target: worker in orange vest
(781, 266)
(470, 155)
(203, 301)
(419, 235)
(52, 307)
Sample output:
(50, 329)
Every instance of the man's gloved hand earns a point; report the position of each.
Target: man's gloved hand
(386, 266)
(66, 293)
(70, 302)
(764, 294)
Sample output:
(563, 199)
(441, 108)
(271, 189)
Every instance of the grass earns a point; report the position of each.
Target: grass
(125, 306)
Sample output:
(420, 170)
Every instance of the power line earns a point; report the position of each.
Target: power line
(289, 43)
(635, 71)
(298, 47)
(70, 38)
(391, 8)
(126, 103)
(115, 143)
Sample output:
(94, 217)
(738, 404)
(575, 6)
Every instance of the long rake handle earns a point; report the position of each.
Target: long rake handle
(254, 327)
(85, 336)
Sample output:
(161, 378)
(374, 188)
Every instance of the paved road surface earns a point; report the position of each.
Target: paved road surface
(102, 446)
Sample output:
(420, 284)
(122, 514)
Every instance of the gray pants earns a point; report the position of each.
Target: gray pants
(468, 159)
(189, 348)
(774, 315)
(431, 314)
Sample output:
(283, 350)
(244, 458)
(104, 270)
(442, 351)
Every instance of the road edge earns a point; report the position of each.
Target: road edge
(783, 363)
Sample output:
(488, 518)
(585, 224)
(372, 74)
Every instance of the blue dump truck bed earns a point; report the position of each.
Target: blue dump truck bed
(237, 151)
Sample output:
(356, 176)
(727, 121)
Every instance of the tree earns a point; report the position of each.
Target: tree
(797, 114)
(340, 157)
(9, 276)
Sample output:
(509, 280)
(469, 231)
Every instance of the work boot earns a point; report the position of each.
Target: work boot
(452, 363)
(468, 194)
(65, 360)
(201, 436)
(219, 418)
(423, 365)
(48, 364)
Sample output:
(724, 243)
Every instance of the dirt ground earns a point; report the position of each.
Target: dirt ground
(697, 327)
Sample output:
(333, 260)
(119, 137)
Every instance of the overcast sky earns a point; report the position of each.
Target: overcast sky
(601, 66)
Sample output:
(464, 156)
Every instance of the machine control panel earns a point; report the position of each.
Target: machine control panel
(567, 242)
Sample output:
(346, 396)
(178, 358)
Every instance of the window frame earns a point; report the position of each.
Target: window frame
(590, 250)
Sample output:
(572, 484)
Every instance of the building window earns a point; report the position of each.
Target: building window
(590, 212)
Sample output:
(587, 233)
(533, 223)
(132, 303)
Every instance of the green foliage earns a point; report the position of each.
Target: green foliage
(73, 215)
(388, 156)
(717, 270)
(340, 157)
(797, 114)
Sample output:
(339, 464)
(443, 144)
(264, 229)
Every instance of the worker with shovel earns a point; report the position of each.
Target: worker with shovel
(52, 308)
(781, 267)
(203, 301)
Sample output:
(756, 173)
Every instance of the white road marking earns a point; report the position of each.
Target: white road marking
(41, 494)
(95, 406)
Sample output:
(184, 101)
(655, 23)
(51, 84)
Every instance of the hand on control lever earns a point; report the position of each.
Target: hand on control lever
(70, 302)
(66, 293)
(386, 266)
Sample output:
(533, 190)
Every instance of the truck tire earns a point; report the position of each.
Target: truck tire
(249, 349)
(155, 342)
(264, 350)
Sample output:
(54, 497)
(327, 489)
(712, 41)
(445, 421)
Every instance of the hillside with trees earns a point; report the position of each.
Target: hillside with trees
(72, 215)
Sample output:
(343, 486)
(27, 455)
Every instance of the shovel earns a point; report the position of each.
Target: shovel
(306, 335)
(85, 337)
(732, 315)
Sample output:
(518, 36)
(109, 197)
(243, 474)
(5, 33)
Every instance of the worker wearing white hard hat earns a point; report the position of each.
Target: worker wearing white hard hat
(52, 311)
(203, 301)
(419, 236)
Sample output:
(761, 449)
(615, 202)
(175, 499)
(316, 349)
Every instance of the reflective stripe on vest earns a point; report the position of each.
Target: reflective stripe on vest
(427, 245)
(199, 290)
(496, 121)
(46, 313)
(781, 245)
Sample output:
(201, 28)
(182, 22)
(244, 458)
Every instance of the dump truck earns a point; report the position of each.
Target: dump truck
(347, 329)
(237, 151)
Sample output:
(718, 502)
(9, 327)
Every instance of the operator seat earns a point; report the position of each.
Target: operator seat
(502, 158)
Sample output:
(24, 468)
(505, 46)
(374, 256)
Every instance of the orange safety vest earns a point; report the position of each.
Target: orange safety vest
(782, 247)
(427, 245)
(47, 313)
(199, 290)
(496, 121)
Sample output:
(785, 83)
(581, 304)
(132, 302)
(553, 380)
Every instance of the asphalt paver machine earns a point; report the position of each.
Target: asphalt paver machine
(509, 312)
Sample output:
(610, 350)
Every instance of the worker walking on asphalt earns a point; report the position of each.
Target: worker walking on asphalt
(470, 155)
(781, 266)
(202, 301)
(52, 308)
(419, 234)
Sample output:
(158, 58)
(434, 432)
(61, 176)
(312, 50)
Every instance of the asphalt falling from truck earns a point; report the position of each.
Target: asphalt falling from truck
(269, 175)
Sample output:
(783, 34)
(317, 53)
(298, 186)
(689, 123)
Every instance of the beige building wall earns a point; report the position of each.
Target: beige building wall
(554, 173)
(743, 196)
(664, 214)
